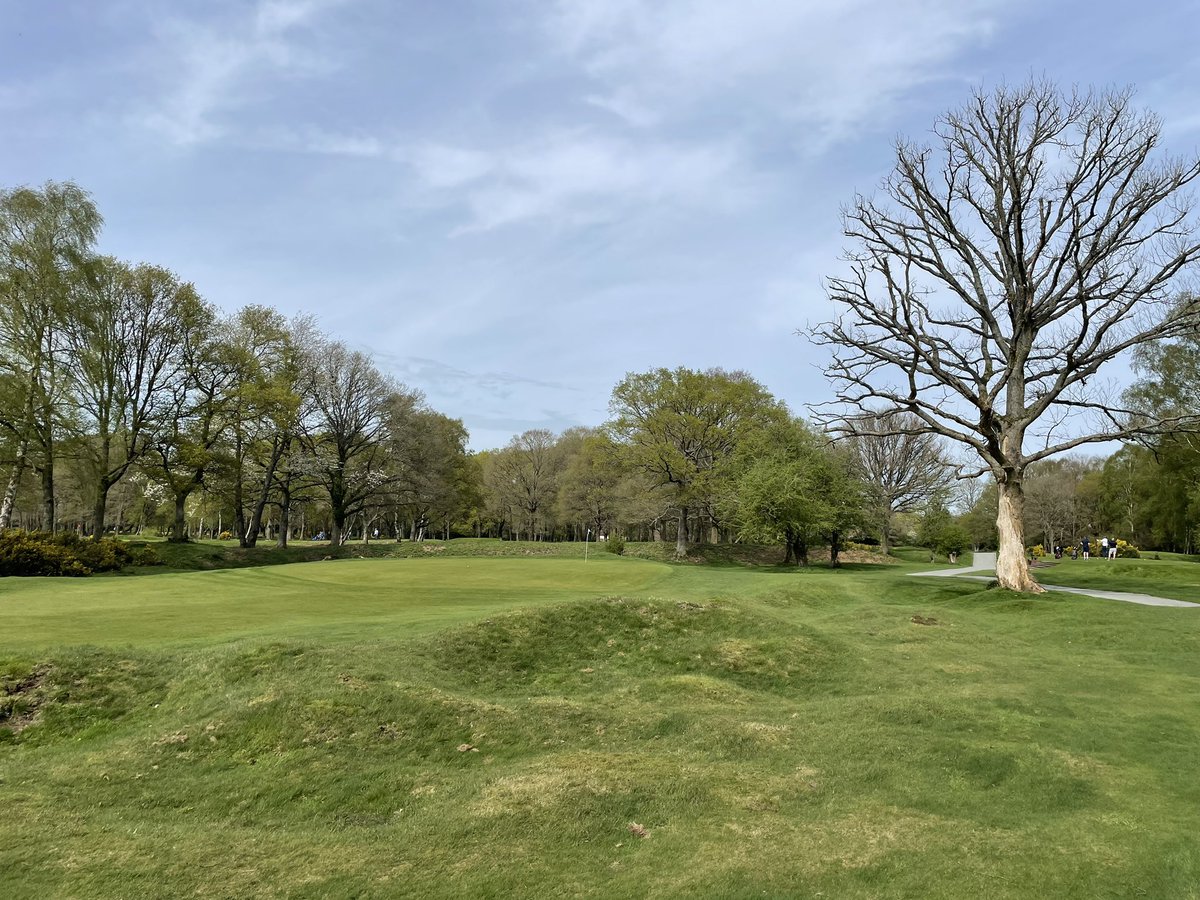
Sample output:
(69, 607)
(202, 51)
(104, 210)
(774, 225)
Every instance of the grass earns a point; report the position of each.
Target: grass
(493, 727)
(1173, 575)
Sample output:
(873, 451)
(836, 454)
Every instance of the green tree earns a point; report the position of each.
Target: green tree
(785, 483)
(46, 239)
(127, 334)
(590, 483)
(677, 426)
(185, 450)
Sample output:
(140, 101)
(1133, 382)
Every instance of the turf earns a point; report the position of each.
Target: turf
(497, 727)
(1172, 575)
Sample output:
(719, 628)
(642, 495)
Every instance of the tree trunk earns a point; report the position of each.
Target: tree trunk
(835, 546)
(98, 505)
(10, 492)
(48, 522)
(285, 517)
(261, 503)
(800, 549)
(1012, 569)
(681, 533)
(178, 532)
(884, 541)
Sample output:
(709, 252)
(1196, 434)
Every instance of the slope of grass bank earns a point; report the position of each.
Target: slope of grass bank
(529, 727)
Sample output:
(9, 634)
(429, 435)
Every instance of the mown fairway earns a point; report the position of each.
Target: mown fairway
(472, 727)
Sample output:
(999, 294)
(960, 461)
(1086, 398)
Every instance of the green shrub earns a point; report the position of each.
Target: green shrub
(63, 553)
(144, 555)
(33, 553)
(1126, 550)
(615, 544)
(104, 555)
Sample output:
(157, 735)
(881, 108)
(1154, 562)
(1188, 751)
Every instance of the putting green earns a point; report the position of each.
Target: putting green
(332, 599)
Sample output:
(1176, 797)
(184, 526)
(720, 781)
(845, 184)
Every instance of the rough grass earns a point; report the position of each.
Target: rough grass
(507, 727)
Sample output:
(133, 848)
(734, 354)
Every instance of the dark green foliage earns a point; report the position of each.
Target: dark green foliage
(67, 554)
(29, 553)
(615, 544)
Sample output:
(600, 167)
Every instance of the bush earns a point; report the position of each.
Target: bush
(615, 544)
(104, 555)
(1037, 551)
(33, 553)
(1126, 550)
(144, 555)
(64, 553)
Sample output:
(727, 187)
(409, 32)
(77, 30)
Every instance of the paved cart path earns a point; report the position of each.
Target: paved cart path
(986, 562)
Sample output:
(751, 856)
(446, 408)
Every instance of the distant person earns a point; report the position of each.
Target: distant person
(1104, 548)
(1112, 549)
(1086, 544)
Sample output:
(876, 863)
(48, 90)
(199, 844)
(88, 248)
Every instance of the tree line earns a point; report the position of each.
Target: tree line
(115, 375)
(127, 399)
(1037, 239)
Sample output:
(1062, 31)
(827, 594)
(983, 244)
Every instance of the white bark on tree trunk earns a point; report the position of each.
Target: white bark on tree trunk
(1012, 568)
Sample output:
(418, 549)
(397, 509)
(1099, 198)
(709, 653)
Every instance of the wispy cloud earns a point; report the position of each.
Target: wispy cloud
(209, 68)
(829, 63)
(581, 177)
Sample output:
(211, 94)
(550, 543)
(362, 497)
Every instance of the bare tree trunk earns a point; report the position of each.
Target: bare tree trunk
(260, 504)
(178, 534)
(285, 517)
(10, 492)
(1012, 569)
(681, 534)
(98, 505)
(48, 522)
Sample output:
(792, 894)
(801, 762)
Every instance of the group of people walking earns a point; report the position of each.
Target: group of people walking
(1108, 547)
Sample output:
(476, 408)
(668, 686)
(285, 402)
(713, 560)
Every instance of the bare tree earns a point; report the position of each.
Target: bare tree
(532, 464)
(903, 464)
(346, 433)
(1039, 240)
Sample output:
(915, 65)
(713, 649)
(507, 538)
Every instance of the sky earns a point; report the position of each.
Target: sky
(511, 204)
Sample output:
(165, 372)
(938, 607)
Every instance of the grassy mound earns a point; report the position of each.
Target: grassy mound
(617, 639)
(367, 728)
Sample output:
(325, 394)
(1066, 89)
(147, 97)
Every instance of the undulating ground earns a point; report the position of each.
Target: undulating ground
(496, 726)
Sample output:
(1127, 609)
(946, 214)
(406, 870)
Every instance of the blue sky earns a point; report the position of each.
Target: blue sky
(511, 204)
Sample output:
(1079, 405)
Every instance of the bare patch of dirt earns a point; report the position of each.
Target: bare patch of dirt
(924, 620)
(20, 701)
